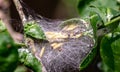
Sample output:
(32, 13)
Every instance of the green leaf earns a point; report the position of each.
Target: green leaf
(34, 30)
(106, 3)
(88, 58)
(8, 53)
(118, 28)
(104, 68)
(93, 20)
(29, 60)
(112, 17)
(110, 51)
(82, 4)
(2, 26)
(105, 9)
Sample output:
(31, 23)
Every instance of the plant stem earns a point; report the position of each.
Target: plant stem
(113, 21)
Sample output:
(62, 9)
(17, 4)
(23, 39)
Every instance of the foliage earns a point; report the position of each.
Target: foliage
(8, 52)
(110, 43)
(104, 15)
(29, 60)
(34, 30)
(2, 27)
(10, 55)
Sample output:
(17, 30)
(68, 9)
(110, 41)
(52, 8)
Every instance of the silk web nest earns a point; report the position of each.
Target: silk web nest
(67, 43)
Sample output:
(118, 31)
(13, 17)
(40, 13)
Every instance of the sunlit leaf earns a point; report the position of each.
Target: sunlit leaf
(34, 30)
(29, 60)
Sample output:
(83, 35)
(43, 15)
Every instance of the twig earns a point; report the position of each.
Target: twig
(20, 10)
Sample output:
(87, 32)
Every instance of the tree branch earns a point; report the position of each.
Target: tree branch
(20, 10)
